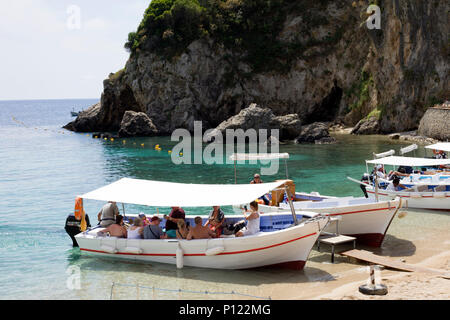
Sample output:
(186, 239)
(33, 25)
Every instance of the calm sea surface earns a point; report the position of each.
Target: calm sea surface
(43, 168)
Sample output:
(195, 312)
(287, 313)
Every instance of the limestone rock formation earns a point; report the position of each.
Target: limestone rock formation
(136, 124)
(436, 123)
(316, 132)
(367, 126)
(326, 64)
(255, 117)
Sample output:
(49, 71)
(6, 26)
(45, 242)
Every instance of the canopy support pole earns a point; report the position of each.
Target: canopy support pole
(123, 209)
(285, 165)
(291, 204)
(376, 187)
(235, 173)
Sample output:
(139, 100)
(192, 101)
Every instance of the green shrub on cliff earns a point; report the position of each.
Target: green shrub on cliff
(249, 27)
(168, 24)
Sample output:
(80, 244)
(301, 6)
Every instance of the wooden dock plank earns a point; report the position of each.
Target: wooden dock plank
(384, 261)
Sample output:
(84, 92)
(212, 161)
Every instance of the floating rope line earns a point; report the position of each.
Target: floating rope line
(179, 291)
(94, 136)
(36, 128)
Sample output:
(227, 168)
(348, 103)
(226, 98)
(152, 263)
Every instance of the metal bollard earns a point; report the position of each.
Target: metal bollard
(373, 288)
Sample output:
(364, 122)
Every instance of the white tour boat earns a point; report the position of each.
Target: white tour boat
(422, 191)
(285, 247)
(366, 219)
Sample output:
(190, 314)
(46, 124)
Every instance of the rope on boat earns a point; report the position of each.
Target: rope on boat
(179, 291)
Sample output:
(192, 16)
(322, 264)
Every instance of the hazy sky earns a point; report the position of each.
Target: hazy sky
(49, 51)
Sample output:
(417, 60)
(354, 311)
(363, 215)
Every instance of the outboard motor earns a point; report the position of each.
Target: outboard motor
(365, 178)
(72, 227)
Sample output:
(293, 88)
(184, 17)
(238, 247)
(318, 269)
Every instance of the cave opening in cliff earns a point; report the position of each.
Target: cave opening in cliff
(328, 108)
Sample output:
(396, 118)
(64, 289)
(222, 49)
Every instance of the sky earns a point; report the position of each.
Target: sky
(59, 49)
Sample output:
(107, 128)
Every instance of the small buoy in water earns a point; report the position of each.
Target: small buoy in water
(105, 139)
(124, 142)
(170, 151)
(181, 153)
(87, 135)
(142, 144)
(112, 139)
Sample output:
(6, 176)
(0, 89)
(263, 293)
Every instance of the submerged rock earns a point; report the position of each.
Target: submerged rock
(412, 136)
(135, 124)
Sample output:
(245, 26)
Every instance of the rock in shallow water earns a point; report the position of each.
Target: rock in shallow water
(136, 124)
(316, 132)
(255, 117)
(367, 126)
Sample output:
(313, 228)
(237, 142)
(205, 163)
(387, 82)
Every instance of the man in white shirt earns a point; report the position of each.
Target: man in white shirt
(395, 185)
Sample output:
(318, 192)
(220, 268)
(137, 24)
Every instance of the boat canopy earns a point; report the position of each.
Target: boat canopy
(170, 194)
(258, 156)
(384, 154)
(408, 149)
(444, 146)
(409, 161)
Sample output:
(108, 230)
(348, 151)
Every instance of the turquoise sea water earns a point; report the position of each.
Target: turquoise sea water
(43, 168)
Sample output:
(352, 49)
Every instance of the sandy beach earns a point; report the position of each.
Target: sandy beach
(403, 285)
(419, 238)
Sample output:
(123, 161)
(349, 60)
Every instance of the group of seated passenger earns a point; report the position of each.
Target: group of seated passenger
(176, 226)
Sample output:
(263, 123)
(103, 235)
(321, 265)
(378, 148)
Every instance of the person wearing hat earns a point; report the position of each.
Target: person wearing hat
(144, 219)
(153, 230)
(379, 171)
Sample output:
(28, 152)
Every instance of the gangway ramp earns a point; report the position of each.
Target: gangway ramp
(392, 264)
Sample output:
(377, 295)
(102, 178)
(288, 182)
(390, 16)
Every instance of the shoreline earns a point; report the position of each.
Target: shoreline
(402, 285)
(428, 247)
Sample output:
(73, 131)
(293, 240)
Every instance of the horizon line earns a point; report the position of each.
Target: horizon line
(42, 99)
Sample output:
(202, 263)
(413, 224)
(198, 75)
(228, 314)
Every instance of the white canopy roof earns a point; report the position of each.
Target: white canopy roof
(258, 156)
(170, 194)
(384, 154)
(409, 161)
(444, 146)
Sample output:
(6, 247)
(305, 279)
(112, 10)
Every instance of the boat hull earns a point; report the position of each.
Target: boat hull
(421, 200)
(285, 248)
(368, 221)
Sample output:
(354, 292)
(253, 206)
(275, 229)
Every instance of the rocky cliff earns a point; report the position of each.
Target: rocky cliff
(436, 122)
(316, 59)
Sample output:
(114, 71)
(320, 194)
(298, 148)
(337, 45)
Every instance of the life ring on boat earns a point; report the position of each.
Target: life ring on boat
(214, 251)
(78, 208)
